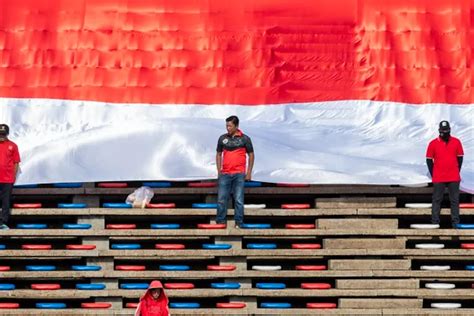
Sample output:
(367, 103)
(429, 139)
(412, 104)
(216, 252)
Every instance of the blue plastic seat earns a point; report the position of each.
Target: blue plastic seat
(271, 286)
(261, 246)
(134, 286)
(165, 226)
(50, 305)
(72, 205)
(31, 226)
(252, 184)
(470, 267)
(275, 305)
(26, 186)
(77, 226)
(86, 268)
(169, 267)
(90, 287)
(7, 286)
(68, 185)
(465, 226)
(126, 246)
(158, 184)
(3, 247)
(216, 246)
(226, 286)
(117, 205)
(185, 305)
(40, 268)
(255, 226)
(204, 205)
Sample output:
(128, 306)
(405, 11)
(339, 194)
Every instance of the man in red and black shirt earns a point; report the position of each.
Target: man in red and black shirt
(9, 160)
(444, 158)
(231, 162)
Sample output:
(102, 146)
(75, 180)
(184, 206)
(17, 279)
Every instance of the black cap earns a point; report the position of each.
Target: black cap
(444, 126)
(4, 129)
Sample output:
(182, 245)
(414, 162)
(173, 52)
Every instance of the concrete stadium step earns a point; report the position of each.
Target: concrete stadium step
(446, 275)
(428, 311)
(243, 292)
(377, 303)
(356, 223)
(248, 212)
(364, 243)
(140, 253)
(406, 212)
(255, 311)
(339, 231)
(377, 284)
(368, 264)
(356, 202)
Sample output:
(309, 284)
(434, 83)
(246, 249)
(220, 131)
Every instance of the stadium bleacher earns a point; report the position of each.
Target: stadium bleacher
(352, 251)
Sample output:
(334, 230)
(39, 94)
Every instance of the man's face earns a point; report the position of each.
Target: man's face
(231, 128)
(155, 293)
(3, 137)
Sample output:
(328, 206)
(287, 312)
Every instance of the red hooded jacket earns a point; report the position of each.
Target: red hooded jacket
(151, 307)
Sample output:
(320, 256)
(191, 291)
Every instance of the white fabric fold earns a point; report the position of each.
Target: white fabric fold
(339, 142)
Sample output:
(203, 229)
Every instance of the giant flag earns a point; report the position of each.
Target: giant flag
(331, 91)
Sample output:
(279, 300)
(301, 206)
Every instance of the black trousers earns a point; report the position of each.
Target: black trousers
(438, 193)
(5, 196)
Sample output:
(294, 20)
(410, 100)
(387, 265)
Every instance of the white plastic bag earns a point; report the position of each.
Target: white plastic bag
(140, 197)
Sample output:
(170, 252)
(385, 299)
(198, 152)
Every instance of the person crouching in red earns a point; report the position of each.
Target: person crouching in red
(154, 302)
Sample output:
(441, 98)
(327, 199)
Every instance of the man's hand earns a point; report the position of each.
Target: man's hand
(248, 176)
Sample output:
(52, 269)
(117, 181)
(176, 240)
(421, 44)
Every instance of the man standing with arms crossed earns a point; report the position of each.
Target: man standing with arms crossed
(444, 159)
(9, 160)
(231, 162)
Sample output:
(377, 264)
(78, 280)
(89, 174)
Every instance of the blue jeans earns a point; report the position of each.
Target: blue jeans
(231, 183)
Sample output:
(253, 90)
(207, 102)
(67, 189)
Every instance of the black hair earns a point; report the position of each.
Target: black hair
(234, 119)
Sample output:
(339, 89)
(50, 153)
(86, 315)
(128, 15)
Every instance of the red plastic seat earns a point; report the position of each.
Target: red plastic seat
(315, 286)
(27, 205)
(9, 305)
(178, 286)
(466, 205)
(81, 247)
(467, 246)
(131, 305)
(96, 305)
(46, 287)
(36, 247)
(161, 205)
(170, 246)
(295, 206)
(4, 268)
(310, 267)
(212, 226)
(231, 305)
(292, 185)
(305, 246)
(130, 268)
(121, 226)
(321, 305)
(229, 267)
(112, 185)
(202, 184)
(300, 226)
